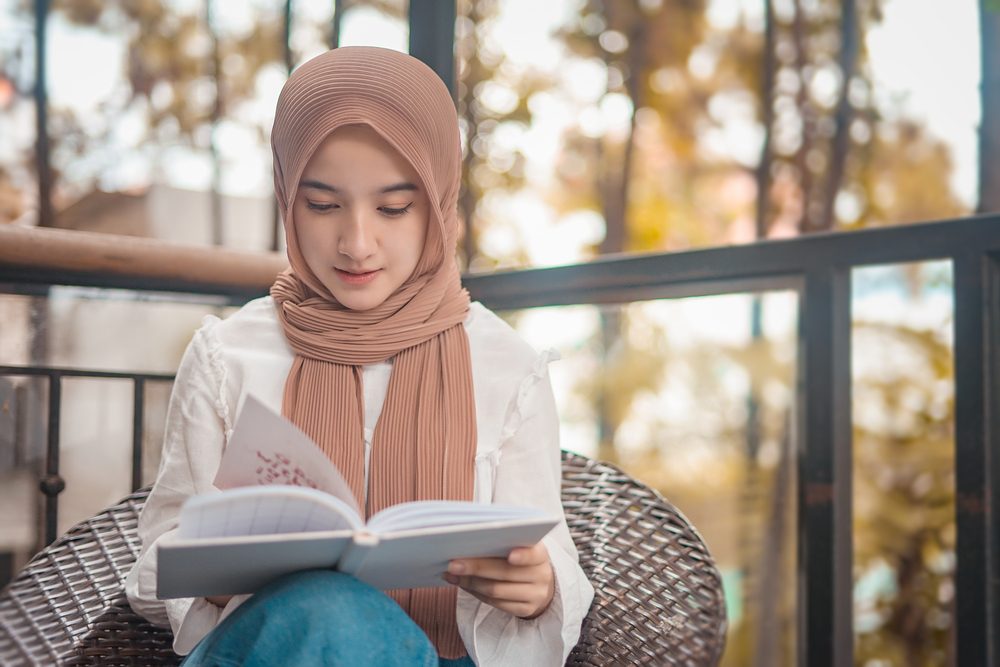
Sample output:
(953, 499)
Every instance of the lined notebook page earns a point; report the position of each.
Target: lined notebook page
(264, 510)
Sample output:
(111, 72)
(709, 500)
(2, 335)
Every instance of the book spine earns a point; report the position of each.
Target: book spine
(352, 561)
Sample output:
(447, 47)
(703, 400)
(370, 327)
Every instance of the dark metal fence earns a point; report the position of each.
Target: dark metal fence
(818, 268)
(51, 484)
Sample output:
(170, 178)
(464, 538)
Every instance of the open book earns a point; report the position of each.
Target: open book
(285, 507)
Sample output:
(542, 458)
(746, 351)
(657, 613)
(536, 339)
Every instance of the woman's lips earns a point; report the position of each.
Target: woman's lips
(356, 278)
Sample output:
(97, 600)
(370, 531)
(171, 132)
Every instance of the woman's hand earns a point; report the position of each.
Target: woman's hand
(220, 600)
(521, 584)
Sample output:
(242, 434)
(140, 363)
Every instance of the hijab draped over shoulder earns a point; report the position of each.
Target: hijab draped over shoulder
(425, 439)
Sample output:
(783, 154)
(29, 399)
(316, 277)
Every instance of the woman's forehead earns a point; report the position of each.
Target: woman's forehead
(357, 155)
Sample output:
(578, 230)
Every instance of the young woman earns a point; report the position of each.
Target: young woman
(370, 345)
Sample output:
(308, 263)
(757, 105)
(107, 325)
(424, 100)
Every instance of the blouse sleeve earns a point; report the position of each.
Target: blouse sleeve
(192, 448)
(529, 473)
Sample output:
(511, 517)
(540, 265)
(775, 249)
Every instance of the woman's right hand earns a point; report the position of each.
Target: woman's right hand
(220, 601)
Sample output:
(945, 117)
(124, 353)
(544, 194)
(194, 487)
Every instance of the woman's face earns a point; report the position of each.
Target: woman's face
(360, 217)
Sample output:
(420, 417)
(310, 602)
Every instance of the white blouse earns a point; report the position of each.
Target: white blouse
(517, 462)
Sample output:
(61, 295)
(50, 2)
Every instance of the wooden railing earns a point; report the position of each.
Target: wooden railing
(37, 258)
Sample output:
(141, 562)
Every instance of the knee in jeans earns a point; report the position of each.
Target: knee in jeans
(324, 595)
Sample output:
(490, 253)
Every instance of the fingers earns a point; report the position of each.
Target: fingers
(504, 591)
(520, 565)
(514, 608)
(492, 568)
(521, 584)
(526, 556)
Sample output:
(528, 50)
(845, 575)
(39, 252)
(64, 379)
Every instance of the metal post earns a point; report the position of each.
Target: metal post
(138, 412)
(276, 228)
(52, 484)
(824, 513)
(976, 583)
(338, 15)
(46, 216)
(432, 37)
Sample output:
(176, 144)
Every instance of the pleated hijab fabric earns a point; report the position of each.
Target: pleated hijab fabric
(425, 439)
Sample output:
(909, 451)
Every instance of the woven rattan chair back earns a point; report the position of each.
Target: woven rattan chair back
(68, 607)
(658, 595)
(658, 601)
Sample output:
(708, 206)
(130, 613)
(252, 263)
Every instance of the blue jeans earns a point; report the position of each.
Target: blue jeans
(318, 617)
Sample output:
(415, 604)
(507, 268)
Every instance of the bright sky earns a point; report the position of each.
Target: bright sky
(926, 60)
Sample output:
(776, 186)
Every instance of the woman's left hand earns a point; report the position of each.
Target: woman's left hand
(521, 584)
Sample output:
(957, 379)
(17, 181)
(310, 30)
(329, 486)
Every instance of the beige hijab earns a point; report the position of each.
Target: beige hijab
(425, 440)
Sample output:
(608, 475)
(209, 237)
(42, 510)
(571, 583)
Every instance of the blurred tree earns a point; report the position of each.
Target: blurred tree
(493, 99)
(642, 44)
(632, 39)
(172, 59)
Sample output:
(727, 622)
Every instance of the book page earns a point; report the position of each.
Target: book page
(264, 510)
(266, 448)
(436, 513)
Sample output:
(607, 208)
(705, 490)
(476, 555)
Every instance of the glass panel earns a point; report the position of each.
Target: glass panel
(686, 398)
(23, 317)
(155, 417)
(904, 465)
(95, 453)
(147, 335)
(98, 329)
(23, 402)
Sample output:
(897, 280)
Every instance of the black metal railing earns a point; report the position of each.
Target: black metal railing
(51, 483)
(818, 268)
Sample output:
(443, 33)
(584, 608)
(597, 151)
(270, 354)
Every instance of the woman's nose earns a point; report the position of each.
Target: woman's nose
(357, 238)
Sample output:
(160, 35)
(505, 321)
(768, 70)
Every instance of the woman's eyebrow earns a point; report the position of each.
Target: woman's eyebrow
(399, 187)
(395, 187)
(318, 185)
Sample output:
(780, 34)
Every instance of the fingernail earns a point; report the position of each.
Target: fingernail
(455, 567)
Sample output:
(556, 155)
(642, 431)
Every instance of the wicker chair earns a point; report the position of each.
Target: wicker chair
(658, 602)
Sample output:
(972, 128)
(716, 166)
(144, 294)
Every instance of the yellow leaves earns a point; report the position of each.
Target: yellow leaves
(906, 177)
(627, 372)
(904, 503)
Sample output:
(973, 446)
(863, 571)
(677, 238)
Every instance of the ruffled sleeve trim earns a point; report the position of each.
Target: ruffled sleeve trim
(515, 415)
(217, 368)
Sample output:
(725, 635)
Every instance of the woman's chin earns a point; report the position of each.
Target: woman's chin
(358, 299)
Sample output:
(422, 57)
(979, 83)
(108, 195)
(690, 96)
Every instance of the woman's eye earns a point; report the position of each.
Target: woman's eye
(394, 212)
(320, 208)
